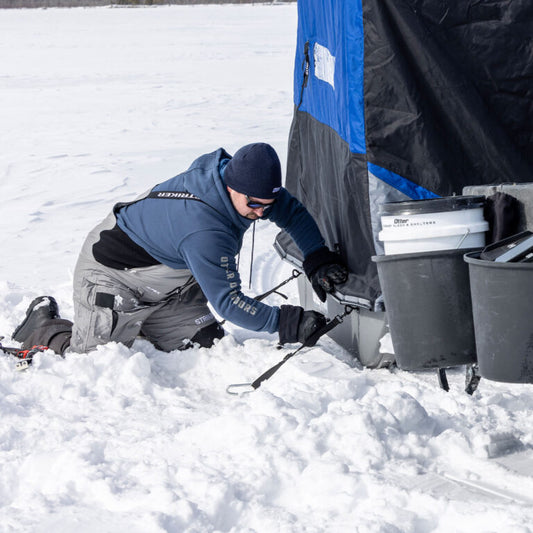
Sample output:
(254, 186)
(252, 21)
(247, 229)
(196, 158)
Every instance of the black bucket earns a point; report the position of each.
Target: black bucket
(427, 299)
(502, 305)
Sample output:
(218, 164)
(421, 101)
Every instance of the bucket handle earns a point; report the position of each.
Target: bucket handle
(463, 238)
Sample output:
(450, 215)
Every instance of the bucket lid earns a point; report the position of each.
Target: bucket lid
(432, 205)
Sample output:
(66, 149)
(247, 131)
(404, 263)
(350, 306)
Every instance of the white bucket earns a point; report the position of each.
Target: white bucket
(446, 223)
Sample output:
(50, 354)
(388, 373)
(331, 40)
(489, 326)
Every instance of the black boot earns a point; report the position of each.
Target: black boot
(53, 332)
(40, 310)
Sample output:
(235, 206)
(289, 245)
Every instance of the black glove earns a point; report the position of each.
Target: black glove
(324, 269)
(297, 325)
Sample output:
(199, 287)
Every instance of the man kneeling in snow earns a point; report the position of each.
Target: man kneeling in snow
(152, 265)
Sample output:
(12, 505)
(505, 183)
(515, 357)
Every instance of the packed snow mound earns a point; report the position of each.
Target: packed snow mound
(100, 104)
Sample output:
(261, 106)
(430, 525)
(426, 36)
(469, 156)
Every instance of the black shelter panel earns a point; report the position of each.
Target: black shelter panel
(448, 90)
(332, 183)
(494, 42)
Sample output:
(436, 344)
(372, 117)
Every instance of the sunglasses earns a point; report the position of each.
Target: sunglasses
(254, 204)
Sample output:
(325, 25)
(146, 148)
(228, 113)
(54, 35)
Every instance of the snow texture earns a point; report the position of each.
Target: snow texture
(98, 105)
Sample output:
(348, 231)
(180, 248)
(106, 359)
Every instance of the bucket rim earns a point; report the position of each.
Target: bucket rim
(432, 205)
(417, 255)
(470, 257)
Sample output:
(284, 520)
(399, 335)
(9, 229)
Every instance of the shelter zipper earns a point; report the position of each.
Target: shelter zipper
(305, 68)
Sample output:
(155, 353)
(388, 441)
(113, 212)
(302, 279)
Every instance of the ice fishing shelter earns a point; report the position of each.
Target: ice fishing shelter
(405, 99)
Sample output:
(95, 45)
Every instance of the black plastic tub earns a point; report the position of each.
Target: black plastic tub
(429, 309)
(502, 305)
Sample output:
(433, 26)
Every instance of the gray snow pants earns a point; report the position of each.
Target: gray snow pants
(165, 305)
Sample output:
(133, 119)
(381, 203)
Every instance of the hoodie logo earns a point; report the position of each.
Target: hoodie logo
(276, 189)
(179, 195)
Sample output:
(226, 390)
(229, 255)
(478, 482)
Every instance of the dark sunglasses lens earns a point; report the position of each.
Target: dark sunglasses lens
(256, 205)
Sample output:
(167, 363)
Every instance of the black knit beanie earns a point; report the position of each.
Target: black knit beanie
(254, 170)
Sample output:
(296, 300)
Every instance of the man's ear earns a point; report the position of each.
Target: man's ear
(231, 193)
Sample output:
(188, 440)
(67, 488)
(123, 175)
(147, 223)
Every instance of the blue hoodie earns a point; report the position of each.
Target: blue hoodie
(206, 236)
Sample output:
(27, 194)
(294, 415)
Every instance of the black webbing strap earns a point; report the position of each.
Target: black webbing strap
(241, 388)
(294, 275)
(311, 341)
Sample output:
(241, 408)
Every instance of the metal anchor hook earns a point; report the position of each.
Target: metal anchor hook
(238, 389)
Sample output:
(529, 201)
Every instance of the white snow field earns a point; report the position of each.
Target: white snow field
(99, 104)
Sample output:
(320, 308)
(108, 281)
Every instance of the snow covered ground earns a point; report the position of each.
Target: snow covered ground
(96, 106)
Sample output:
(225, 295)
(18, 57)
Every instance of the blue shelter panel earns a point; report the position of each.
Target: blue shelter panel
(331, 46)
(407, 187)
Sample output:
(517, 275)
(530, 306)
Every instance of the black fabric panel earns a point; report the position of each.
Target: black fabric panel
(493, 43)
(448, 92)
(116, 250)
(332, 183)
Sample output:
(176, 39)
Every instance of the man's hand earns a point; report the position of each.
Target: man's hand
(297, 325)
(325, 269)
